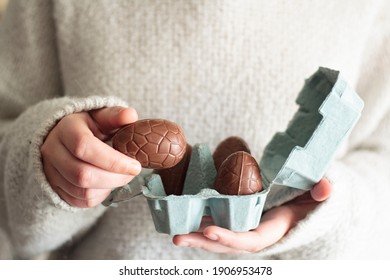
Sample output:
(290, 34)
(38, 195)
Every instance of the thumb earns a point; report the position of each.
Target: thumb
(322, 190)
(111, 118)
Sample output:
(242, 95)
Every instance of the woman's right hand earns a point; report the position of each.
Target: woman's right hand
(79, 166)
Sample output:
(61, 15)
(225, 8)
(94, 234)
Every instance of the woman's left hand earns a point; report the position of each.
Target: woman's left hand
(274, 225)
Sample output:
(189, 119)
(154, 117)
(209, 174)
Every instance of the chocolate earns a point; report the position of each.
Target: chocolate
(239, 174)
(173, 178)
(155, 143)
(161, 145)
(227, 147)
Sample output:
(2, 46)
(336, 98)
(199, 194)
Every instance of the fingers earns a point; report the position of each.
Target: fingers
(219, 240)
(275, 224)
(83, 174)
(80, 203)
(80, 184)
(111, 118)
(78, 197)
(206, 221)
(198, 240)
(322, 190)
(79, 166)
(86, 147)
(76, 135)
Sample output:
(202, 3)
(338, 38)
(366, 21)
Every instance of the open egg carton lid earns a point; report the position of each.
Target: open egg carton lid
(300, 156)
(297, 158)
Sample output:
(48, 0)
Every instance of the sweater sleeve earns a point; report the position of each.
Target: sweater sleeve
(353, 222)
(32, 216)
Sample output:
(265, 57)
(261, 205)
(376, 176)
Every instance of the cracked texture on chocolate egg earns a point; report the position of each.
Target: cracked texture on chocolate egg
(239, 174)
(155, 143)
(227, 147)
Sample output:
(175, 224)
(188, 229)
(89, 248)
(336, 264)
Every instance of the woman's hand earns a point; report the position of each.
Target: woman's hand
(274, 224)
(79, 166)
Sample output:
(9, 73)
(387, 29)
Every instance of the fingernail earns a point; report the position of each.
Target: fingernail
(135, 165)
(212, 236)
(117, 110)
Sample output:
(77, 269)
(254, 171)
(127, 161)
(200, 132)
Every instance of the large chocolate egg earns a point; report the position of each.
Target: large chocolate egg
(239, 174)
(155, 143)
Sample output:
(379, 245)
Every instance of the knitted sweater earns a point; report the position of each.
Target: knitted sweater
(218, 68)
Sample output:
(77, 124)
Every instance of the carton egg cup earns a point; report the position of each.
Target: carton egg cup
(297, 158)
(180, 214)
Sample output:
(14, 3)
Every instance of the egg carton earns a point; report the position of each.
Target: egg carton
(180, 214)
(297, 158)
(183, 213)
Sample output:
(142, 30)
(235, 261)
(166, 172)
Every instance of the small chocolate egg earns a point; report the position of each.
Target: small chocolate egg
(239, 174)
(155, 143)
(227, 147)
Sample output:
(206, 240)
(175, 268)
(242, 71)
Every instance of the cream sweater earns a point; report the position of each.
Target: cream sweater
(218, 68)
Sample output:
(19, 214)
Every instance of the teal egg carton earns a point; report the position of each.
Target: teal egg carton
(297, 158)
(328, 111)
(183, 213)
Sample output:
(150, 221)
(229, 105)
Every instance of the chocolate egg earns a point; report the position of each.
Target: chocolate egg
(155, 143)
(239, 174)
(173, 178)
(227, 147)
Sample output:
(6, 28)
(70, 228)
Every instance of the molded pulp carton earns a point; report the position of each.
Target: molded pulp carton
(297, 157)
